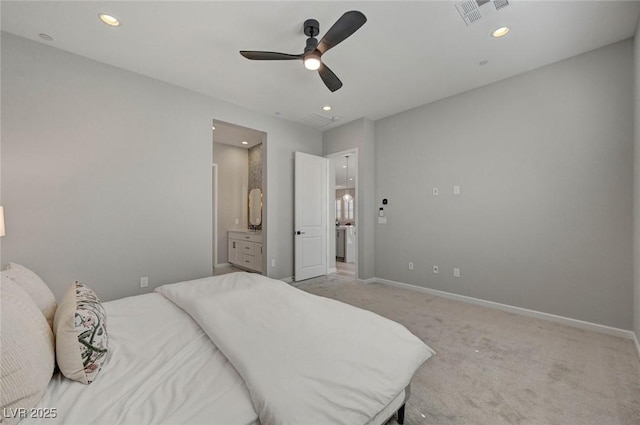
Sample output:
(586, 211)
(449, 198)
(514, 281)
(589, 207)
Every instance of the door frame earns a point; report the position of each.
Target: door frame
(214, 177)
(265, 197)
(331, 213)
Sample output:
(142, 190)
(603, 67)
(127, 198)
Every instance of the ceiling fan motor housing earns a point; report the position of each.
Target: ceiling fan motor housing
(311, 27)
(312, 43)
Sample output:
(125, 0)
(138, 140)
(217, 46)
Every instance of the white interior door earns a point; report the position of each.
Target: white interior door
(310, 216)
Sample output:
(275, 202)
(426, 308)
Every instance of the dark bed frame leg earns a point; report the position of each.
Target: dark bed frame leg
(401, 415)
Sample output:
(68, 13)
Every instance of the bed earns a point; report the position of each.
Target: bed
(239, 349)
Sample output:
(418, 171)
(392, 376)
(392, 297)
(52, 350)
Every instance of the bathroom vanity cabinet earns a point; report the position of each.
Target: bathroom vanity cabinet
(345, 243)
(245, 249)
(340, 243)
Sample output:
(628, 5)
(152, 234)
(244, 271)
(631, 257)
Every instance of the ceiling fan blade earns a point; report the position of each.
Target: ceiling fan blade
(343, 28)
(330, 79)
(268, 56)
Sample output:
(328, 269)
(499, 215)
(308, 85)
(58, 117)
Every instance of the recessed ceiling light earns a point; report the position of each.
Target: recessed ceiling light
(244, 142)
(326, 108)
(45, 36)
(500, 32)
(109, 20)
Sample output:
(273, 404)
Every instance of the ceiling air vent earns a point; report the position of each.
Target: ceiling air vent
(499, 4)
(472, 10)
(469, 11)
(316, 121)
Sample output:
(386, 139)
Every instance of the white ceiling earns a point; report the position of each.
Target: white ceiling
(406, 55)
(234, 135)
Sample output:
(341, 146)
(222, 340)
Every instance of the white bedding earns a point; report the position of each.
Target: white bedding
(305, 359)
(161, 369)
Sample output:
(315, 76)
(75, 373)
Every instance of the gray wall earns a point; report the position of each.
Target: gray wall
(106, 174)
(359, 134)
(636, 190)
(544, 219)
(233, 180)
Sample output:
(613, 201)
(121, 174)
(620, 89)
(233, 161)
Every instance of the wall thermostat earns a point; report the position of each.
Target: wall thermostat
(384, 201)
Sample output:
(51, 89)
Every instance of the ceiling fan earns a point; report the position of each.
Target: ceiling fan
(346, 25)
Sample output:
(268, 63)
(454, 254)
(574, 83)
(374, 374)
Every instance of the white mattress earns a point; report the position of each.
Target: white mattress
(161, 369)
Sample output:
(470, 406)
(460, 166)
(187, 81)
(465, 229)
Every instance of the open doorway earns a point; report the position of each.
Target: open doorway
(239, 215)
(343, 207)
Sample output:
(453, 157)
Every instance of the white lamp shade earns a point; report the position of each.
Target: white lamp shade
(1, 221)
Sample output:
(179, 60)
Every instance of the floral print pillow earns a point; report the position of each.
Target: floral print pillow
(81, 334)
(91, 324)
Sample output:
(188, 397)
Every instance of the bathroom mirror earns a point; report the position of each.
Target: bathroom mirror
(255, 207)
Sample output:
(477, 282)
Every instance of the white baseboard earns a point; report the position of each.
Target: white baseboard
(287, 279)
(637, 345)
(522, 311)
(332, 270)
(370, 280)
(222, 265)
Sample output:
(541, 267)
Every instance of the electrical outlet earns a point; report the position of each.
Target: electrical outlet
(456, 272)
(435, 270)
(144, 282)
(410, 265)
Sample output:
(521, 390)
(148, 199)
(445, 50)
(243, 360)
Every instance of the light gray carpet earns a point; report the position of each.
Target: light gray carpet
(494, 368)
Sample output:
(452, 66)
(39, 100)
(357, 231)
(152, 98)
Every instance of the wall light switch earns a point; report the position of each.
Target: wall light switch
(237, 221)
(456, 272)
(144, 282)
(273, 262)
(456, 190)
(382, 220)
(410, 265)
(435, 270)
(435, 191)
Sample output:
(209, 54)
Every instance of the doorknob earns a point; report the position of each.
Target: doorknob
(299, 233)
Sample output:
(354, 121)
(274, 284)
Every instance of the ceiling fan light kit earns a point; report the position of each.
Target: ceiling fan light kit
(344, 27)
(312, 62)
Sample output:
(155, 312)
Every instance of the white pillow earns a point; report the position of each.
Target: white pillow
(28, 356)
(81, 334)
(35, 287)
